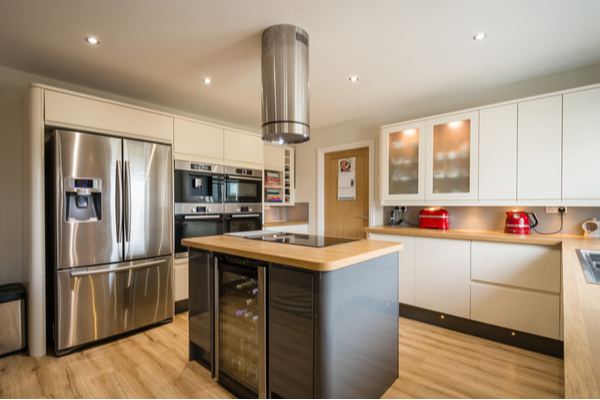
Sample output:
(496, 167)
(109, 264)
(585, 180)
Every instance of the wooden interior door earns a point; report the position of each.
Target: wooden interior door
(347, 218)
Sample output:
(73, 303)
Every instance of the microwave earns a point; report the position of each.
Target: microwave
(243, 185)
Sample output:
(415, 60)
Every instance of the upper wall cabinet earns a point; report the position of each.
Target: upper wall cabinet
(498, 154)
(274, 156)
(197, 142)
(90, 114)
(403, 162)
(243, 149)
(452, 158)
(539, 150)
(581, 146)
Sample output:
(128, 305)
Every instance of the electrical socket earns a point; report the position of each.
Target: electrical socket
(555, 210)
(403, 208)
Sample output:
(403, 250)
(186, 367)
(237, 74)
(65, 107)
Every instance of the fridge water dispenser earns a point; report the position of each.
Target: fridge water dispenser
(83, 199)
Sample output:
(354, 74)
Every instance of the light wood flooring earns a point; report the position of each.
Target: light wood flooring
(434, 363)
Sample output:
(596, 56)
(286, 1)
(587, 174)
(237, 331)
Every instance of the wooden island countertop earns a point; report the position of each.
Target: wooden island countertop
(580, 303)
(322, 259)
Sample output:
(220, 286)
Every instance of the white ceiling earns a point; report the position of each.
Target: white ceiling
(159, 51)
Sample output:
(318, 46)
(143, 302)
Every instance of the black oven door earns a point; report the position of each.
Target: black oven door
(243, 189)
(189, 226)
(243, 222)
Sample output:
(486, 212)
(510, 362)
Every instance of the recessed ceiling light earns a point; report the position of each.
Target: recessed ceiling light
(353, 78)
(92, 40)
(480, 36)
(207, 80)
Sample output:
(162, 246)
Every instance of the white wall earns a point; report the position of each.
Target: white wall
(368, 128)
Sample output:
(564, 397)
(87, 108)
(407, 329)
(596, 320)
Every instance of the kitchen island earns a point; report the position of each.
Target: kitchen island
(331, 325)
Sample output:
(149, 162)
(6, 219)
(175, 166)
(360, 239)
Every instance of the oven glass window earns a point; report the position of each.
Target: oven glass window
(244, 192)
(244, 224)
(189, 228)
(191, 187)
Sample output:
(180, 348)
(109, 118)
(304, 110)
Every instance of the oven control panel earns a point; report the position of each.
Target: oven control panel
(244, 209)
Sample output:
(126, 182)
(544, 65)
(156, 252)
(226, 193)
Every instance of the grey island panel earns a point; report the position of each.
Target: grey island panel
(356, 329)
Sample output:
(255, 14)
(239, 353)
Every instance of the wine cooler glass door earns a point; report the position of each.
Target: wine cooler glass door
(239, 327)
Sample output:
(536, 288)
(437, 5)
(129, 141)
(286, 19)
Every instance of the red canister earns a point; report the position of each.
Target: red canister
(434, 218)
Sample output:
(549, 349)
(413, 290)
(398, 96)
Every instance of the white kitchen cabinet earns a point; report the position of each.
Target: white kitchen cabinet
(274, 156)
(180, 278)
(442, 275)
(581, 146)
(539, 151)
(242, 149)
(518, 265)
(406, 265)
(403, 163)
(194, 141)
(498, 154)
(81, 112)
(526, 311)
(452, 156)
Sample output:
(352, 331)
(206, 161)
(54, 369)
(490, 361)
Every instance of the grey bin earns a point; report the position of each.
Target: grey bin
(13, 329)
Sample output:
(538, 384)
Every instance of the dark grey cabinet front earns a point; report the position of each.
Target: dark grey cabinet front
(290, 308)
(201, 308)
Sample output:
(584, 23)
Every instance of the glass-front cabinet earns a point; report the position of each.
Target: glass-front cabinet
(403, 163)
(452, 157)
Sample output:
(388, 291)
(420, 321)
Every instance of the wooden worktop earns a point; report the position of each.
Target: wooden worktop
(321, 259)
(581, 300)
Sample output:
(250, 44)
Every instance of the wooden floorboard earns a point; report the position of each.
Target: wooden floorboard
(434, 363)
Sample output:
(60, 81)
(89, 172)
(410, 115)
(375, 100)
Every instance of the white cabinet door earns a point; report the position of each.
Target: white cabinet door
(303, 229)
(243, 149)
(406, 265)
(581, 145)
(452, 158)
(104, 116)
(539, 150)
(519, 265)
(532, 312)
(442, 275)
(274, 156)
(180, 276)
(498, 154)
(403, 163)
(197, 142)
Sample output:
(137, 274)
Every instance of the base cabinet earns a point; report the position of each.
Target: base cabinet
(442, 275)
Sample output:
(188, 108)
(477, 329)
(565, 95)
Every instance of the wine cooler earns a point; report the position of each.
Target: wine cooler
(240, 315)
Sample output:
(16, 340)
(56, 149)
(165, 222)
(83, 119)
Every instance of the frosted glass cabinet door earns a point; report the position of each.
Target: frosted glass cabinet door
(452, 157)
(403, 162)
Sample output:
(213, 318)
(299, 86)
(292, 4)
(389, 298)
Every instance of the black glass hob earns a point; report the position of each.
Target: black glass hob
(301, 240)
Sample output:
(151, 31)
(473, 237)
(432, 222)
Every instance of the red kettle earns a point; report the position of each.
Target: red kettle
(519, 222)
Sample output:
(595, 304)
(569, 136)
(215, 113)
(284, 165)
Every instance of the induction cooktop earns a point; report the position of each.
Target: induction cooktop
(300, 239)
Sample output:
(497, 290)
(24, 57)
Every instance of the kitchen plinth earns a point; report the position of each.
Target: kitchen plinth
(282, 321)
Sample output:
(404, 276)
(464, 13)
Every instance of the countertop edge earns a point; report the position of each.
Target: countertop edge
(284, 223)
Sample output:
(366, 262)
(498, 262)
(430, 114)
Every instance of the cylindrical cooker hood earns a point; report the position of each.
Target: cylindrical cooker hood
(285, 114)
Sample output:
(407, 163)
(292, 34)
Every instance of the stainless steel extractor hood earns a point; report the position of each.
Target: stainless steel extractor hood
(285, 114)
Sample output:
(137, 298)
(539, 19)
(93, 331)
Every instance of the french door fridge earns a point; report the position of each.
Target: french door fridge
(109, 231)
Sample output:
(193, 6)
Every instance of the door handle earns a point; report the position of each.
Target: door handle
(119, 204)
(109, 270)
(128, 202)
(363, 216)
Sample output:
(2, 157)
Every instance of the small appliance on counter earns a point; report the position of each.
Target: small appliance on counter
(435, 218)
(591, 228)
(519, 222)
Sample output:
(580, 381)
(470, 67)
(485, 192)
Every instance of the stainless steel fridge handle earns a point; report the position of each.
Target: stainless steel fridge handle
(119, 204)
(127, 202)
(245, 215)
(109, 270)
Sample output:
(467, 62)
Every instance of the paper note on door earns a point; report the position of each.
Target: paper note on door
(346, 179)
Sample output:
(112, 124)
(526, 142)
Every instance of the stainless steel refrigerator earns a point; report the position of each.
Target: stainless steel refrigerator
(109, 222)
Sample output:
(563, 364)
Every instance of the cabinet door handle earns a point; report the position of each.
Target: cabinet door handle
(363, 216)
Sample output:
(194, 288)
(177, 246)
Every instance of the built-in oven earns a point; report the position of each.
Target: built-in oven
(242, 217)
(243, 185)
(198, 198)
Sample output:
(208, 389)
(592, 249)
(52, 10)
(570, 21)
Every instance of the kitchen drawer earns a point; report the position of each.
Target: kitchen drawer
(521, 310)
(520, 265)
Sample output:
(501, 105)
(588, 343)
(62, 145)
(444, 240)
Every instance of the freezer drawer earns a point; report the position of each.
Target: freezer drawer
(99, 302)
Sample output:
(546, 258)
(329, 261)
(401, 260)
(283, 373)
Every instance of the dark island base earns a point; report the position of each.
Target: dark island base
(523, 340)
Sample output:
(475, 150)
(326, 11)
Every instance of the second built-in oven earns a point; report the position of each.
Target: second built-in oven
(243, 185)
